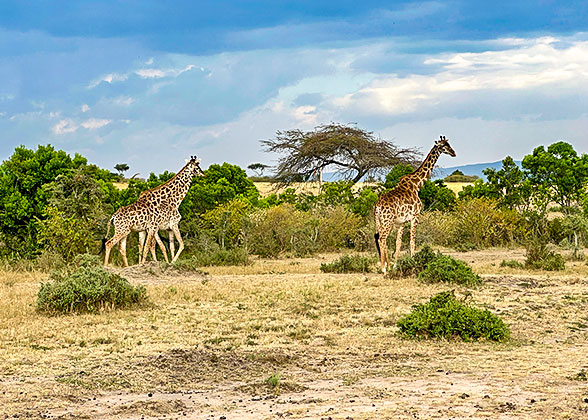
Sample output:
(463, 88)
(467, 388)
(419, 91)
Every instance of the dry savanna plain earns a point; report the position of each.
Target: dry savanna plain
(280, 339)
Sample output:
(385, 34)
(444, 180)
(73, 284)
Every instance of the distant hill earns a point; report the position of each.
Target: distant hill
(471, 169)
(440, 173)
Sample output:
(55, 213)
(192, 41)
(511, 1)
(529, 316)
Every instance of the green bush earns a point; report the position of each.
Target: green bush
(446, 317)
(214, 257)
(349, 264)
(87, 289)
(447, 269)
(412, 266)
(539, 257)
(511, 264)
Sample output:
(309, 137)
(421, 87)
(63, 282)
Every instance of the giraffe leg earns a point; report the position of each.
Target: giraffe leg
(141, 244)
(147, 247)
(383, 251)
(123, 251)
(413, 225)
(112, 242)
(176, 231)
(161, 246)
(172, 245)
(398, 244)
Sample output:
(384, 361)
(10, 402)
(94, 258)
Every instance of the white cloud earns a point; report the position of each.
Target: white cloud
(161, 73)
(95, 123)
(65, 127)
(109, 78)
(534, 64)
(123, 100)
(85, 108)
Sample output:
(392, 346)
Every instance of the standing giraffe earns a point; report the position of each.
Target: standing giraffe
(153, 208)
(402, 204)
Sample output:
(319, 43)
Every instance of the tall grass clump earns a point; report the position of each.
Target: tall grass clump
(349, 264)
(87, 288)
(446, 317)
(539, 257)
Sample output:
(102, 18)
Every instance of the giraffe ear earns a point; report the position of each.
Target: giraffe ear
(197, 160)
(186, 160)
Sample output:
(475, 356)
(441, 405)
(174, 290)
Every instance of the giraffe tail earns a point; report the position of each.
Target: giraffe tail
(103, 245)
(377, 238)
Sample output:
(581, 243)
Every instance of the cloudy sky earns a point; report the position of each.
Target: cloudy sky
(152, 82)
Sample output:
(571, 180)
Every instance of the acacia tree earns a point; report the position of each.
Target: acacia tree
(121, 168)
(349, 150)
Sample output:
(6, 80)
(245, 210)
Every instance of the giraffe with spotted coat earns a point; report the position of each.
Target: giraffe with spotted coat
(402, 204)
(154, 208)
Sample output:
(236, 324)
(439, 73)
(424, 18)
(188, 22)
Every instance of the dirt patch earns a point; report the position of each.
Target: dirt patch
(153, 272)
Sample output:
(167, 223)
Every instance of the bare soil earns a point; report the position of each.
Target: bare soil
(279, 339)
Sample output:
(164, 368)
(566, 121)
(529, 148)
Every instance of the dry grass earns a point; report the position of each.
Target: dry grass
(267, 188)
(456, 187)
(207, 343)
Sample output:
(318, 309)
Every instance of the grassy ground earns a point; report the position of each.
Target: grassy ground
(281, 339)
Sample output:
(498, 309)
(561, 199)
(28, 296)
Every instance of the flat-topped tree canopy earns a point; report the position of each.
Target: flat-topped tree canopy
(350, 151)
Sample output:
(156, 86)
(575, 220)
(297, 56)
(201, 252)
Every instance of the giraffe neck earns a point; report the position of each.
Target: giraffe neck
(174, 190)
(424, 171)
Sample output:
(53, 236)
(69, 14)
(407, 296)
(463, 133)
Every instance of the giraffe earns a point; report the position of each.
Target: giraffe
(153, 208)
(402, 204)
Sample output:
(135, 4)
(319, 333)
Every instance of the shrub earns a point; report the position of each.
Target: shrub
(214, 257)
(449, 270)
(539, 257)
(349, 264)
(282, 229)
(412, 266)
(87, 289)
(511, 264)
(445, 316)
(66, 236)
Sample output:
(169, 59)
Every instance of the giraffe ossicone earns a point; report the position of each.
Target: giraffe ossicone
(402, 204)
(154, 208)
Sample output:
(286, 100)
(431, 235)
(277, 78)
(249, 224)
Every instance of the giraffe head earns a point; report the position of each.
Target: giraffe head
(193, 165)
(443, 145)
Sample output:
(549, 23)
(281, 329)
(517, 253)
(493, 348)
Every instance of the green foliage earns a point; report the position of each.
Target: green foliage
(363, 203)
(221, 183)
(436, 196)
(446, 317)
(214, 257)
(349, 264)
(411, 266)
(226, 222)
(510, 184)
(446, 269)
(511, 264)
(65, 236)
(22, 196)
(87, 289)
(479, 189)
(557, 174)
(397, 172)
(539, 257)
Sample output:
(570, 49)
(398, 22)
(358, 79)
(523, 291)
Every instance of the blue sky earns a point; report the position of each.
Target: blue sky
(150, 83)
